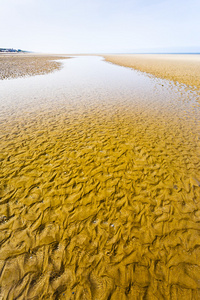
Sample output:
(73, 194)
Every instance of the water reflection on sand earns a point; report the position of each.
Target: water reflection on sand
(100, 186)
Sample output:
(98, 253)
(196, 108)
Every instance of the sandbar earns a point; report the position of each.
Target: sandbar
(20, 65)
(181, 68)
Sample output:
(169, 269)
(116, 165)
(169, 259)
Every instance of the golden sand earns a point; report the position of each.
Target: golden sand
(20, 65)
(100, 202)
(182, 68)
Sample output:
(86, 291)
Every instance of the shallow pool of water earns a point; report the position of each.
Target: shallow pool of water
(100, 185)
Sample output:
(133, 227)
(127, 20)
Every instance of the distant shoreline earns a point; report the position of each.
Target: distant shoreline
(154, 53)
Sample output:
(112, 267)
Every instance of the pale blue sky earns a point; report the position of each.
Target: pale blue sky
(100, 26)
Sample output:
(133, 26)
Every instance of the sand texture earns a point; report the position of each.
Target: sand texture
(179, 68)
(100, 199)
(20, 65)
(110, 211)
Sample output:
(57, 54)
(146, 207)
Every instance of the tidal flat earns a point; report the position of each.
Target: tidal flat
(181, 68)
(100, 185)
(14, 65)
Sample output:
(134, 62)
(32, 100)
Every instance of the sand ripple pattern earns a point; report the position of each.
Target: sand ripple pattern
(99, 203)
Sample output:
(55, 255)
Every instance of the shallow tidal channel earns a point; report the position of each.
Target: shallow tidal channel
(100, 185)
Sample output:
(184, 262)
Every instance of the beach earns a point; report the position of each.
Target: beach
(181, 68)
(20, 65)
(100, 184)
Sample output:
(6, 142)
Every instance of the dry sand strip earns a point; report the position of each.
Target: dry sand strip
(182, 68)
(20, 65)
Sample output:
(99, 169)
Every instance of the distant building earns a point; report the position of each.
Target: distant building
(6, 50)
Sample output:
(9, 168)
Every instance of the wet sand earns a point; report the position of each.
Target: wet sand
(100, 186)
(180, 68)
(20, 65)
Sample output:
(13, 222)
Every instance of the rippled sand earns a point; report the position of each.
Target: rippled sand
(100, 198)
(20, 65)
(182, 68)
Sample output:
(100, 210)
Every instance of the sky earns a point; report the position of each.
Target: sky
(100, 26)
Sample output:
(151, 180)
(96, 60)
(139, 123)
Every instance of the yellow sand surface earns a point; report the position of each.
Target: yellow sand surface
(99, 204)
(20, 65)
(100, 199)
(183, 68)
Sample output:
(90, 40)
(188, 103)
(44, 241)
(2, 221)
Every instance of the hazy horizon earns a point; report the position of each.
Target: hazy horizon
(100, 27)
